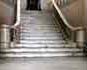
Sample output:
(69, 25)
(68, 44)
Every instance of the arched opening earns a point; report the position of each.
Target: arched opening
(33, 5)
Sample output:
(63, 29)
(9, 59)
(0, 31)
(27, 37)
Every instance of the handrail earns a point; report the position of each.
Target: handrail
(18, 14)
(63, 18)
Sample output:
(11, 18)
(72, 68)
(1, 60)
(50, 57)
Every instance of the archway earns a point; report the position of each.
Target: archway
(33, 5)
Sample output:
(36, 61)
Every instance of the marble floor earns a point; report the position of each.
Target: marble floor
(60, 63)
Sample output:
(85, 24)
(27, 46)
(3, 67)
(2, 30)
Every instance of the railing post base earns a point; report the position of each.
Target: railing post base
(80, 38)
(4, 36)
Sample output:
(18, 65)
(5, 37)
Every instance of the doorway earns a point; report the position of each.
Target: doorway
(33, 5)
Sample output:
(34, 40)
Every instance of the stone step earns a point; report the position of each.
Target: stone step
(36, 14)
(38, 24)
(37, 19)
(27, 55)
(33, 14)
(40, 31)
(40, 35)
(41, 50)
(43, 42)
(40, 28)
(41, 45)
(41, 38)
(27, 24)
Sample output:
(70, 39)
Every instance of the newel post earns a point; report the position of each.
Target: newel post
(5, 36)
(80, 38)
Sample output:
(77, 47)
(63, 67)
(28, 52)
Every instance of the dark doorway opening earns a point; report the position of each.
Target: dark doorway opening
(33, 5)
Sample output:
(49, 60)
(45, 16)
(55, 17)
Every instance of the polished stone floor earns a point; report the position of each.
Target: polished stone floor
(60, 63)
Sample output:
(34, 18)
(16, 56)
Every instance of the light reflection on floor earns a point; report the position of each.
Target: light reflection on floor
(60, 63)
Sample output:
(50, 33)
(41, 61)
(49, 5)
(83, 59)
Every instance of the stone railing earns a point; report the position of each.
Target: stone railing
(74, 33)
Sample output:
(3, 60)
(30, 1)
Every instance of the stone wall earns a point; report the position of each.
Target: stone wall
(6, 13)
(10, 2)
(74, 13)
(85, 15)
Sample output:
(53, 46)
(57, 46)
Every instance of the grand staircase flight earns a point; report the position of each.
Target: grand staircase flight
(40, 36)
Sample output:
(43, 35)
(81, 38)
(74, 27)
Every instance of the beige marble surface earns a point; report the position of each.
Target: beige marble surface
(61, 63)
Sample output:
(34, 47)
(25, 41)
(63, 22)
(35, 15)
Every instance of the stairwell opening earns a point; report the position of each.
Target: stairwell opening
(33, 5)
